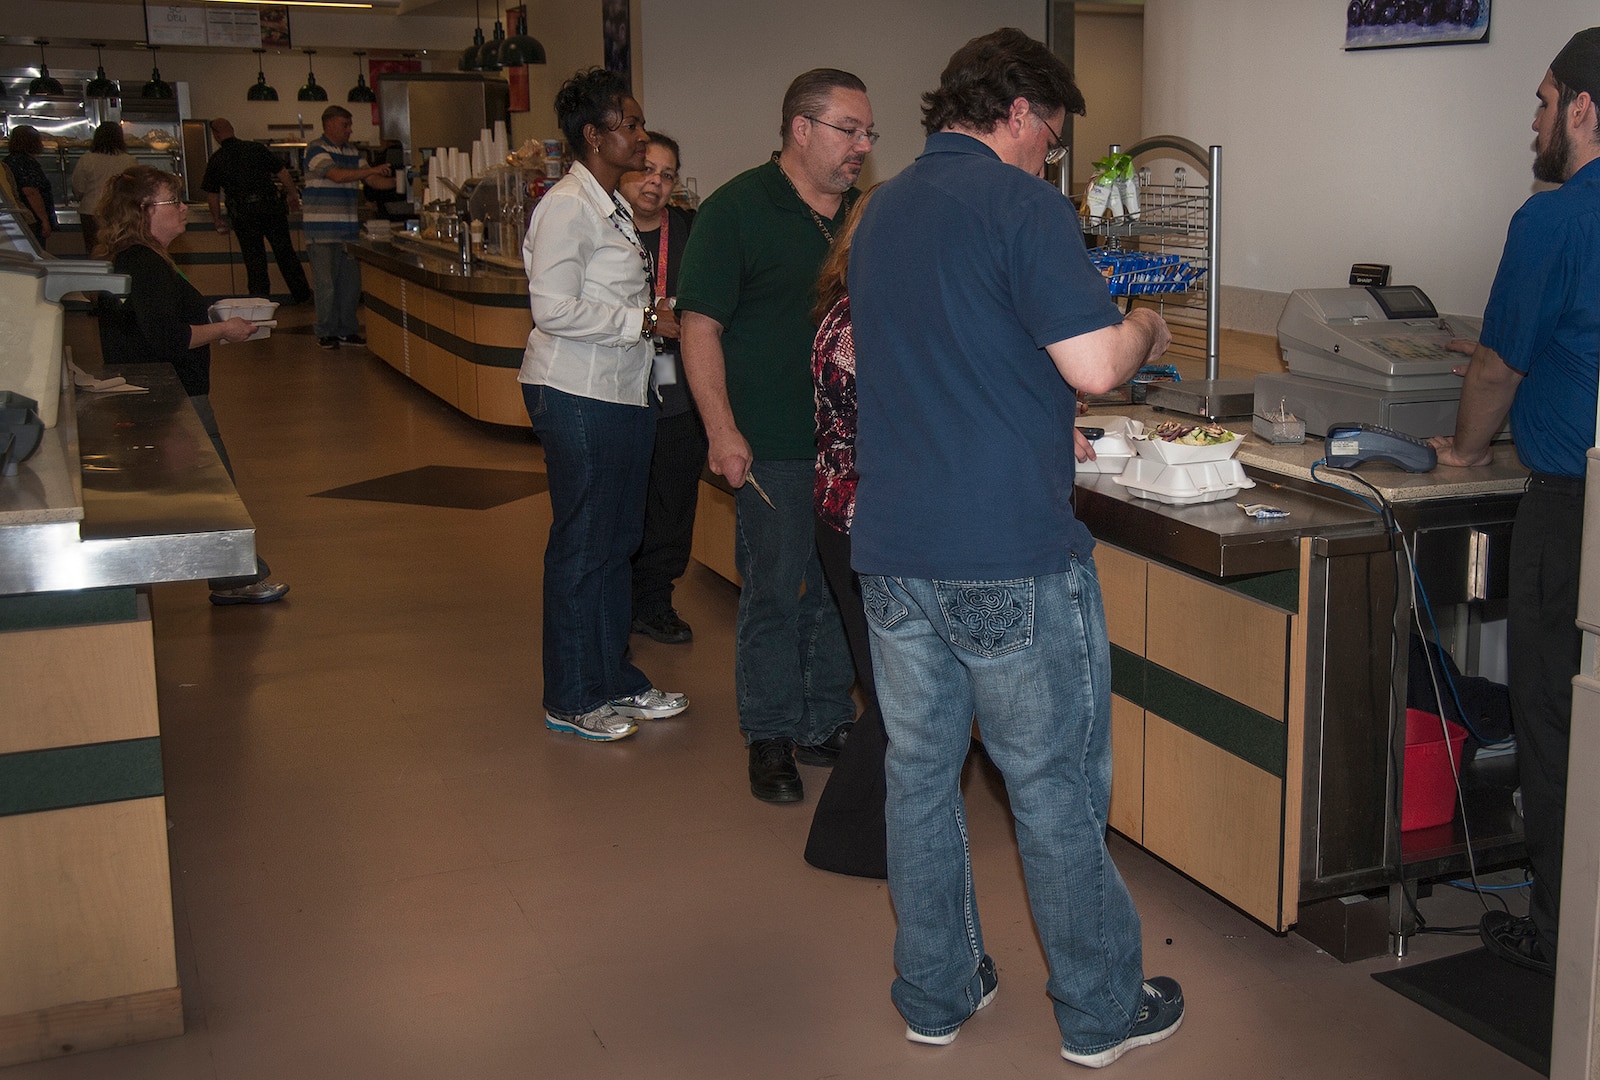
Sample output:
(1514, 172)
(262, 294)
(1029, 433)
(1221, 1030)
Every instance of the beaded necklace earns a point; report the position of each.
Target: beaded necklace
(821, 224)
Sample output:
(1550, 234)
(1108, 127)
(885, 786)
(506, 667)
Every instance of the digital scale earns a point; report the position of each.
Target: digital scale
(1368, 355)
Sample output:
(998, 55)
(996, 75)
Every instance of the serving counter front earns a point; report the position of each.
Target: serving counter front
(459, 333)
(125, 490)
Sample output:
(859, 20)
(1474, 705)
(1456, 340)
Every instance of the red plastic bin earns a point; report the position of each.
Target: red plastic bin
(1428, 797)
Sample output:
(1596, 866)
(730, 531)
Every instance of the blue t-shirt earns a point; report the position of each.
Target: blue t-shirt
(962, 270)
(1543, 319)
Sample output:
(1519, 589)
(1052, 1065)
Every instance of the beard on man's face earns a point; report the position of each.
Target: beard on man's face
(1550, 164)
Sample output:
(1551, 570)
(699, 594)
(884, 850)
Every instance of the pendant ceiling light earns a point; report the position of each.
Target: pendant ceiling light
(260, 91)
(470, 56)
(519, 48)
(99, 86)
(44, 85)
(311, 91)
(157, 87)
(361, 91)
(489, 55)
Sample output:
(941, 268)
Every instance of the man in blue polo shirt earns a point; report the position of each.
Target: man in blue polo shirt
(329, 209)
(977, 315)
(1539, 358)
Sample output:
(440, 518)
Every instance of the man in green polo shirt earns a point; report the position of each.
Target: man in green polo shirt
(744, 300)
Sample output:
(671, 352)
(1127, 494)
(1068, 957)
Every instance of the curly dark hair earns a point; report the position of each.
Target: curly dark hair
(988, 73)
(589, 97)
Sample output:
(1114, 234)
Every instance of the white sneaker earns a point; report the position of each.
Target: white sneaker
(651, 704)
(598, 725)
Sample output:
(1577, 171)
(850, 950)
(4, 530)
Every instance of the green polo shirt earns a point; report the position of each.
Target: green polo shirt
(752, 265)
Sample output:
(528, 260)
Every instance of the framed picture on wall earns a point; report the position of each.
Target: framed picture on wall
(275, 26)
(619, 37)
(1391, 24)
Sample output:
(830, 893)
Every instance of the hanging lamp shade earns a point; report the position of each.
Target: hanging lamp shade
(489, 55)
(99, 86)
(44, 85)
(157, 87)
(361, 91)
(260, 91)
(311, 91)
(519, 48)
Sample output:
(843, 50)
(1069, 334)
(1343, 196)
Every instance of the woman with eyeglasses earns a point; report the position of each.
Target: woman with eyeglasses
(679, 456)
(586, 382)
(165, 320)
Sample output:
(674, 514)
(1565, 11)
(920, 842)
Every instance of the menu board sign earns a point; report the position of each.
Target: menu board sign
(239, 27)
(175, 24)
(245, 27)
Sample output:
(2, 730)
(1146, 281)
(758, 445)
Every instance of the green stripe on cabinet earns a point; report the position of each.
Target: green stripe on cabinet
(498, 356)
(1127, 675)
(36, 780)
(1221, 721)
(44, 611)
(1281, 588)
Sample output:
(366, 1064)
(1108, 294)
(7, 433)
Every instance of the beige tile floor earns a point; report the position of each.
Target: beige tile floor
(384, 866)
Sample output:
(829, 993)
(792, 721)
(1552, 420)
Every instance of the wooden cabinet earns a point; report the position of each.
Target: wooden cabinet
(1203, 706)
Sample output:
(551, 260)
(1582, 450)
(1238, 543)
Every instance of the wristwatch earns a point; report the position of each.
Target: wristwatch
(648, 330)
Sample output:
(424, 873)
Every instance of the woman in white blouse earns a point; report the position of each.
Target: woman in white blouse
(585, 376)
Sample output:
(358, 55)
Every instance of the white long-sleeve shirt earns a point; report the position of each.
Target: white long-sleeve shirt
(588, 288)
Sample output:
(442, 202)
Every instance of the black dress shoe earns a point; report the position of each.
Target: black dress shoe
(665, 627)
(1515, 940)
(826, 752)
(773, 776)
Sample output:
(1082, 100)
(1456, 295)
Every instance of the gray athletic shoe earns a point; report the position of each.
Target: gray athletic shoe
(1159, 1016)
(651, 704)
(598, 725)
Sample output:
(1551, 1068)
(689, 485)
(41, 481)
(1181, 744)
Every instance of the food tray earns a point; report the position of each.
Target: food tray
(1175, 453)
(1139, 273)
(1183, 484)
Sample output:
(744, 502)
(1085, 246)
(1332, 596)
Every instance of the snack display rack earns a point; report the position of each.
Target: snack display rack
(1166, 256)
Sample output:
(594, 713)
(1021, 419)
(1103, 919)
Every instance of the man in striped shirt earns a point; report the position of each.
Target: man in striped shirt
(334, 171)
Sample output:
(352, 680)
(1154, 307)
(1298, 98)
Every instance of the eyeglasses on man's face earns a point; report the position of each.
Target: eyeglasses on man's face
(1058, 149)
(855, 135)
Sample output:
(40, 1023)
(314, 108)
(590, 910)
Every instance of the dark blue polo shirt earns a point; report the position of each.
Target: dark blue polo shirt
(963, 269)
(1543, 319)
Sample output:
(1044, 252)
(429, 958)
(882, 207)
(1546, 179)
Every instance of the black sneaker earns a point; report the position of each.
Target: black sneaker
(665, 627)
(327, 343)
(1516, 941)
(1159, 1016)
(826, 752)
(988, 983)
(773, 776)
(353, 339)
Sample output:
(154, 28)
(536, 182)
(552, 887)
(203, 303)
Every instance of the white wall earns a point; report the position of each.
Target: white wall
(713, 72)
(1415, 157)
(1108, 66)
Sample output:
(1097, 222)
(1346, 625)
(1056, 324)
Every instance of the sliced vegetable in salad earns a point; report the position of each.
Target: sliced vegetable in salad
(1175, 431)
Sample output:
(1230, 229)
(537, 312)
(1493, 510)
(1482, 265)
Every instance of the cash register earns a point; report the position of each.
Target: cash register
(1367, 355)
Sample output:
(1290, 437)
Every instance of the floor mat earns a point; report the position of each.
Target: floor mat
(1506, 1006)
(445, 485)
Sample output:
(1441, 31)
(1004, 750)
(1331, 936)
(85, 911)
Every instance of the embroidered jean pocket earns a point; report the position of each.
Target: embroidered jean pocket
(882, 609)
(987, 618)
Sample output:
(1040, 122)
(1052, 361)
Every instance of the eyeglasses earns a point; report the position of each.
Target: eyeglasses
(166, 202)
(669, 177)
(853, 134)
(1058, 152)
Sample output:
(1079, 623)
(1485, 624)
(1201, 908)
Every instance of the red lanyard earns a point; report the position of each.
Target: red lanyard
(661, 259)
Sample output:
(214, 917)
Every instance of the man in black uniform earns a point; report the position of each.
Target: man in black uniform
(244, 171)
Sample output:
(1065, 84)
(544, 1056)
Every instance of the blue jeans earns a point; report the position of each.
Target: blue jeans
(1030, 660)
(336, 284)
(597, 458)
(792, 669)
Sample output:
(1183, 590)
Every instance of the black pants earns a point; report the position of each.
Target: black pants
(270, 223)
(676, 463)
(847, 829)
(1543, 648)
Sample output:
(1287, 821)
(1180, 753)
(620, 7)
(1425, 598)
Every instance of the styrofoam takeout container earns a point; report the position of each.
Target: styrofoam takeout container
(1114, 449)
(1196, 482)
(251, 308)
(1175, 453)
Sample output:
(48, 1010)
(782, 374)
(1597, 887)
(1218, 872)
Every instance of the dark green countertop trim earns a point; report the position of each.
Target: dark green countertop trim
(1240, 730)
(483, 355)
(1281, 588)
(42, 611)
(37, 780)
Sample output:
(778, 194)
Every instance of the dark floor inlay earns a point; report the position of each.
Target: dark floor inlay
(446, 485)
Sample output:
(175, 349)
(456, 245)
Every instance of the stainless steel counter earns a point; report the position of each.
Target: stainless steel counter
(434, 267)
(126, 490)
